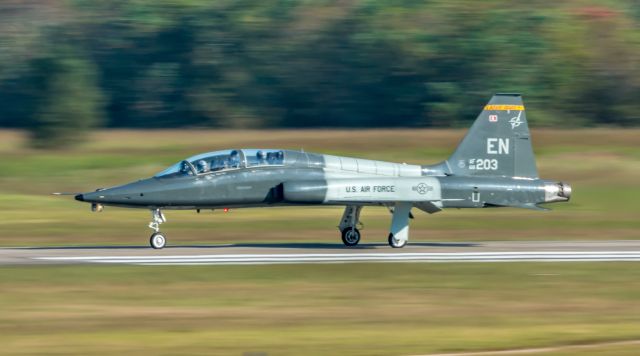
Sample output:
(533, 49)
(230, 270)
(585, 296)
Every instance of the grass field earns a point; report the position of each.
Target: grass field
(366, 309)
(603, 165)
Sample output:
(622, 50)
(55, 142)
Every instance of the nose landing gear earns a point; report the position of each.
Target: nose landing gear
(157, 239)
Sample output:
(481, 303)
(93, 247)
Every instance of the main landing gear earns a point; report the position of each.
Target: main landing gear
(399, 234)
(399, 231)
(350, 236)
(395, 243)
(350, 219)
(157, 239)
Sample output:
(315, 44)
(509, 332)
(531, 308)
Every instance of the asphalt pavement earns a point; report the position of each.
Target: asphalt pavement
(288, 253)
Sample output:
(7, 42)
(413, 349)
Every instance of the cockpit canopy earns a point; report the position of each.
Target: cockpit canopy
(224, 160)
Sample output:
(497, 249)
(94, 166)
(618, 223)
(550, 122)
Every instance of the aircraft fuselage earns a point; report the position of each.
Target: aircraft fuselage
(311, 179)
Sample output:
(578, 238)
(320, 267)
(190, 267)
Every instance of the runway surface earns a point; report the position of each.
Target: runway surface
(287, 253)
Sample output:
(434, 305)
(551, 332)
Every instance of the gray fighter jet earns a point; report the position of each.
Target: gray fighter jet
(493, 166)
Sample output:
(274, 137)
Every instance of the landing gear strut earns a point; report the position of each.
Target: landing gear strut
(157, 239)
(350, 219)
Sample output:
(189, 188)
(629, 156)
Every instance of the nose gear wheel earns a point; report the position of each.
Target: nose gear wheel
(157, 239)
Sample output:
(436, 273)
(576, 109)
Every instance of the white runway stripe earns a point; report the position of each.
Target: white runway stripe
(541, 256)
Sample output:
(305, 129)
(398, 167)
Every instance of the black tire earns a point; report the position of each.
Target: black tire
(350, 236)
(396, 243)
(157, 240)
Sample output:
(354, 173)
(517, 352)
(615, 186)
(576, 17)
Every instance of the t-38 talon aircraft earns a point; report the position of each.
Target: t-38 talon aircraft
(493, 166)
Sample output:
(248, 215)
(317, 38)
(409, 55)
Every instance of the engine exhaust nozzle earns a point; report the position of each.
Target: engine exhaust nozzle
(559, 191)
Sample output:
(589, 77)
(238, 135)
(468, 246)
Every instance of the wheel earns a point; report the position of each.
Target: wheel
(157, 240)
(395, 243)
(350, 236)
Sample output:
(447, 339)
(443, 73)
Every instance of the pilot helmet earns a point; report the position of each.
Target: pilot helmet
(202, 166)
(261, 155)
(234, 158)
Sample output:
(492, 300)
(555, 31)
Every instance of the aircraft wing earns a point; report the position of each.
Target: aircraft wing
(427, 207)
(520, 206)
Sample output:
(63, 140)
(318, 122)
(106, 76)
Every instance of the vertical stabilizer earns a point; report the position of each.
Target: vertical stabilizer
(498, 143)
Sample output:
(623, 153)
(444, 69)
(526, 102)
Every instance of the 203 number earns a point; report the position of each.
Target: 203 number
(486, 164)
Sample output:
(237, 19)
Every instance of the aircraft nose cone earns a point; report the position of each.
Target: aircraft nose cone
(136, 193)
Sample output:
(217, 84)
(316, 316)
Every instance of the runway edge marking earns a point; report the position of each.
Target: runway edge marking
(541, 256)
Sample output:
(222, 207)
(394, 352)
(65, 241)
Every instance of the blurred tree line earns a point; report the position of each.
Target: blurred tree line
(66, 66)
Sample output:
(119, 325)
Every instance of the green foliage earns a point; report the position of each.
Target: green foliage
(298, 63)
(66, 97)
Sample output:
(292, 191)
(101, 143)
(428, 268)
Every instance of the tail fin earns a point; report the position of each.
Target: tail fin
(498, 143)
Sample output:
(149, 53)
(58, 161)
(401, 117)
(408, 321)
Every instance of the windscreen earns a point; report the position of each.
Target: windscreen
(204, 163)
(224, 160)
